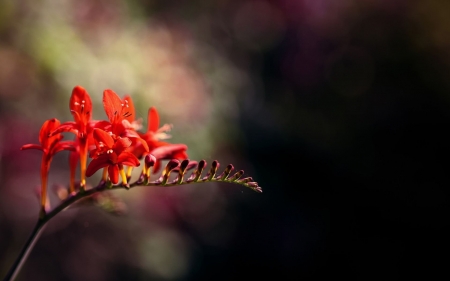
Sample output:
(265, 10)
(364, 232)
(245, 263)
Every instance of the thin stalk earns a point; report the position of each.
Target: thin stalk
(14, 270)
(83, 193)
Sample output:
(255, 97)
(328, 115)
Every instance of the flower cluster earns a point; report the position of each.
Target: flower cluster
(115, 145)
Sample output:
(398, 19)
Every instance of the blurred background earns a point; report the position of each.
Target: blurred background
(338, 109)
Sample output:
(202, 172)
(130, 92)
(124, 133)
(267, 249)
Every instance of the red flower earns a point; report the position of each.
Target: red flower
(112, 154)
(121, 116)
(160, 149)
(50, 145)
(81, 108)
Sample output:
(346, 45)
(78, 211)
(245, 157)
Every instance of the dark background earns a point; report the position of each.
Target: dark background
(342, 120)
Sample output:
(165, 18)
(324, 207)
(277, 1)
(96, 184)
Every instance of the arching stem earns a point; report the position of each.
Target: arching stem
(14, 270)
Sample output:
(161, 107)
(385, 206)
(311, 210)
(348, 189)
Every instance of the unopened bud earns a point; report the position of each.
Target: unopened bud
(150, 160)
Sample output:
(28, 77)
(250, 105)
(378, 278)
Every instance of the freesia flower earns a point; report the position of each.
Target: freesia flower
(50, 145)
(122, 123)
(81, 108)
(111, 154)
(121, 116)
(154, 136)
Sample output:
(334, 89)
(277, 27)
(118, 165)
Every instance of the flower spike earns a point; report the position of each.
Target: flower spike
(225, 173)
(182, 169)
(115, 146)
(212, 172)
(198, 172)
(196, 176)
(166, 173)
(236, 176)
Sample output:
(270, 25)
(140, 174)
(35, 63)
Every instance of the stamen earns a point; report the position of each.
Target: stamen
(165, 128)
(105, 174)
(109, 151)
(129, 170)
(124, 176)
(82, 105)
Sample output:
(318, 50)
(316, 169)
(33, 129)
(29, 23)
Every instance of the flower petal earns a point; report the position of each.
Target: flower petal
(137, 140)
(170, 151)
(121, 144)
(48, 127)
(104, 125)
(80, 102)
(64, 145)
(153, 120)
(138, 150)
(112, 105)
(157, 166)
(96, 164)
(113, 172)
(142, 143)
(128, 158)
(129, 112)
(31, 146)
(69, 126)
(104, 137)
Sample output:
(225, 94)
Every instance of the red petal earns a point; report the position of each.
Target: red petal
(180, 155)
(93, 152)
(113, 172)
(128, 158)
(48, 127)
(157, 166)
(138, 150)
(104, 125)
(66, 127)
(129, 112)
(170, 151)
(112, 105)
(119, 129)
(138, 141)
(153, 120)
(102, 136)
(31, 146)
(121, 144)
(64, 145)
(144, 144)
(97, 164)
(80, 102)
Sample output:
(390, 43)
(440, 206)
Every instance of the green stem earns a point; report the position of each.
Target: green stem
(12, 273)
